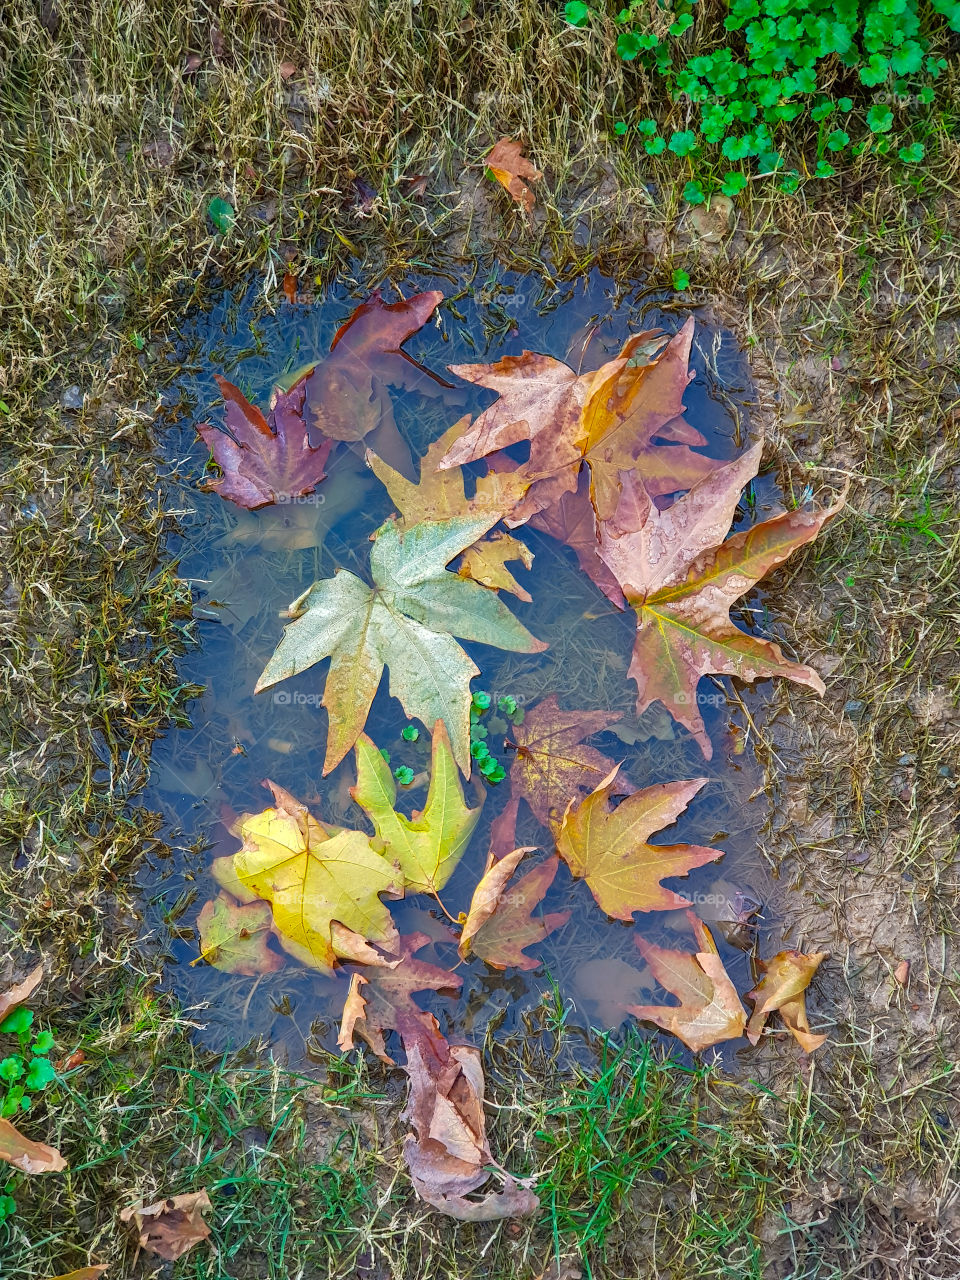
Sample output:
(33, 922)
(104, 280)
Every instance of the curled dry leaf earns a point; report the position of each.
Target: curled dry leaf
(510, 167)
(263, 460)
(448, 1150)
(500, 923)
(234, 938)
(172, 1227)
(382, 1000)
(553, 765)
(28, 1156)
(313, 876)
(709, 1010)
(608, 847)
(429, 844)
(20, 992)
(405, 621)
(782, 986)
(681, 578)
(346, 394)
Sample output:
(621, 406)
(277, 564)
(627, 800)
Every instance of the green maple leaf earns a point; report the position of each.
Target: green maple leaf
(405, 621)
(429, 844)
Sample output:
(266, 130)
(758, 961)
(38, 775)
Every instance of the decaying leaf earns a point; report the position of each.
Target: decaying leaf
(553, 764)
(429, 844)
(485, 562)
(172, 1227)
(500, 922)
(234, 938)
(573, 521)
(439, 494)
(28, 1156)
(782, 986)
(681, 578)
(611, 987)
(20, 992)
(608, 847)
(447, 1153)
(624, 416)
(314, 875)
(346, 394)
(263, 460)
(709, 1010)
(510, 167)
(406, 621)
(382, 1000)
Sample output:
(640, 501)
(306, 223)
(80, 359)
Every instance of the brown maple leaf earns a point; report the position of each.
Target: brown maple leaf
(346, 394)
(573, 521)
(500, 922)
(608, 847)
(709, 1010)
(622, 416)
(263, 461)
(383, 1001)
(510, 167)
(553, 764)
(784, 980)
(170, 1228)
(448, 1153)
(681, 578)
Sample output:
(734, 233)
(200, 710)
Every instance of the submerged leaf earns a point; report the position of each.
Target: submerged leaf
(681, 578)
(429, 844)
(234, 938)
(486, 562)
(782, 986)
(553, 765)
(314, 876)
(709, 1010)
(264, 461)
(608, 847)
(405, 621)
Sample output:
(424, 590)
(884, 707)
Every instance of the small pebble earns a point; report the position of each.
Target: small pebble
(853, 708)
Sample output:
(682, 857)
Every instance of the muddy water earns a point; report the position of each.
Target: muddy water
(245, 568)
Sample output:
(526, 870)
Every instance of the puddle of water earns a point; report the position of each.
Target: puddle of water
(246, 567)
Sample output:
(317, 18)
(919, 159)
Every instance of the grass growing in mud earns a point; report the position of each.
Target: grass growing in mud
(846, 297)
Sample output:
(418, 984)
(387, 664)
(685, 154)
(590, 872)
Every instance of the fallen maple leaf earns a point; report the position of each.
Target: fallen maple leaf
(573, 521)
(553, 765)
(440, 495)
(622, 416)
(509, 166)
(381, 999)
(28, 1156)
(500, 923)
(264, 461)
(485, 562)
(234, 938)
(20, 992)
(172, 1227)
(448, 1152)
(710, 1010)
(429, 844)
(611, 986)
(346, 394)
(313, 876)
(406, 621)
(608, 847)
(85, 1273)
(681, 579)
(782, 986)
